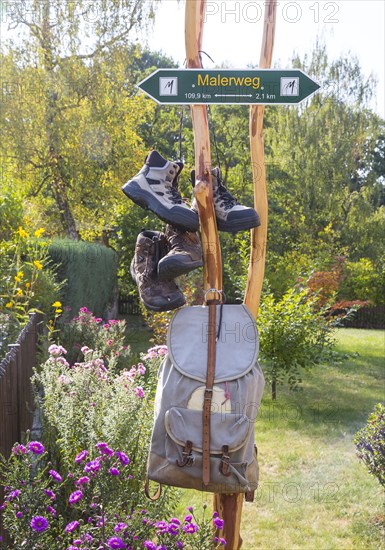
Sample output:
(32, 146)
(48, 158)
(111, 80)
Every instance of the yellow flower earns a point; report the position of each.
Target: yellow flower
(22, 232)
(9, 304)
(17, 279)
(20, 274)
(27, 285)
(58, 311)
(19, 292)
(56, 304)
(38, 265)
(39, 232)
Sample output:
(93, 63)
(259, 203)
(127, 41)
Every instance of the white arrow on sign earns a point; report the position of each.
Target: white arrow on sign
(233, 95)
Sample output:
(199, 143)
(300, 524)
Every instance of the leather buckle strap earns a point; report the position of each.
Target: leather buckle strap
(225, 461)
(147, 491)
(187, 456)
(208, 394)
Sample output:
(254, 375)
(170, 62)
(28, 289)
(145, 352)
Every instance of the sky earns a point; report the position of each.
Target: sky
(233, 33)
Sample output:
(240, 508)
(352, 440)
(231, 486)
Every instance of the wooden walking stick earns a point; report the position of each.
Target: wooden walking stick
(259, 234)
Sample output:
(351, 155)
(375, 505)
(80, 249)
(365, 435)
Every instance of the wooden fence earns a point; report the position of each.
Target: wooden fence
(16, 397)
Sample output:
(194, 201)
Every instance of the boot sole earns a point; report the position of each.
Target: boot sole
(238, 225)
(178, 302)
(180, 217)
(172, 268)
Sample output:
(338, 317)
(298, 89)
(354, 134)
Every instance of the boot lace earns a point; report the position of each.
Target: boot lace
(224, 197)
(174, 194)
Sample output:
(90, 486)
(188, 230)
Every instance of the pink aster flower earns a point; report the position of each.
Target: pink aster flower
(19, 450)
(116, 542)
(75, 497)
(104, 448)
(81, 456)
(141, 368)
(83, 480)
(120, 527)
(55, 475)
(36, 447)
(123, 458)
(139, 392)
(39, 523)
(71, 526)
(114, 471)
(218, 522)
(84, 310)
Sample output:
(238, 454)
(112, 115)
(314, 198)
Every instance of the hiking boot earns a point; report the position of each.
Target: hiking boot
(155, 294)
(156, 187)
(184, 253)
(230, 215)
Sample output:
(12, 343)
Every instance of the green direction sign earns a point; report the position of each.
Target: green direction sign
(228, 86)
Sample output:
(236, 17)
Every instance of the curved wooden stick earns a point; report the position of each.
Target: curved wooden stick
(259, 234)
(195, 11)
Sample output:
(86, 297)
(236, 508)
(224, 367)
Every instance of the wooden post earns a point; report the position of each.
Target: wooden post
(259, 234)
(195, 11)
(229, 507)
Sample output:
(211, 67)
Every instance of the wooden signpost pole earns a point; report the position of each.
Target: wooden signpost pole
(229, 507)
(259, 234)
(195, 12)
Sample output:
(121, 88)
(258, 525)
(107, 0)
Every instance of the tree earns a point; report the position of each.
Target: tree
(61, 94)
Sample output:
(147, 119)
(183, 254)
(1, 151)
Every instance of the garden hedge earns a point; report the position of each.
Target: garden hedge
(90, 272)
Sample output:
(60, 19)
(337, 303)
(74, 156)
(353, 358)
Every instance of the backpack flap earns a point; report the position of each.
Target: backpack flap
(237, 345)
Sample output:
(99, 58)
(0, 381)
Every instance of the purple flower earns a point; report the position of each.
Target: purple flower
(104, 448)
(39, 524)
(55, 475)
(92, 467)
(149, 545)
(218, 522)
(215, 514)
(19, 449)
(114, 471)
(83, 480)
(75, 497)
(123, 458)
(173, 529)
(72, 526)
(13, 494)
(87, 537)
(190, 508)
(175, 521)
(51, 510)
(81, 456)
(19, 515)
(36, 447)
(190, 528)
(161, 525)
(84, 310)
(179, 544)
(77, 542)
(139, 392)
(188, 518)
(119, 527)
(222, 541)
(50, 494)
(116, 542)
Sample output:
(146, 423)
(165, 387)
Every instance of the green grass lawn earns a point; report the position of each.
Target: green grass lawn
(314, 493)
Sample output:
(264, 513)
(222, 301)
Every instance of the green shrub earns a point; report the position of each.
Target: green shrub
(370, 443)
(294, 336)
(362, 280)
(11, 214)
(90, 272)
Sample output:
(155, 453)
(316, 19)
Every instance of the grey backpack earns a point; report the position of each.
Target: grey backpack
(203, 436)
